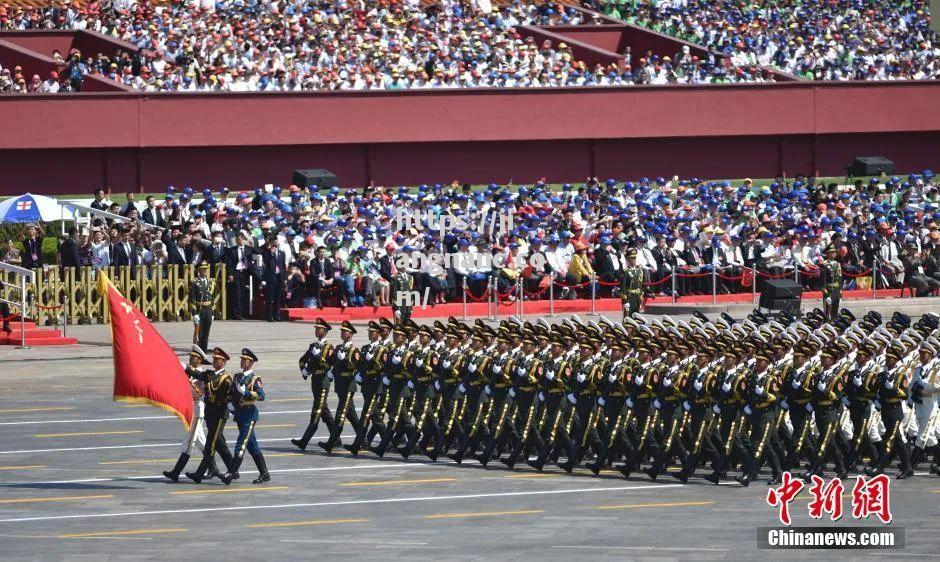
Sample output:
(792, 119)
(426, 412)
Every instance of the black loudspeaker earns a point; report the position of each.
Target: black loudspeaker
(320, 178)
(871, 166)
(776, 291)
(790, 306)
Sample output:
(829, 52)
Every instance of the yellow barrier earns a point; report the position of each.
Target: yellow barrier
(160, 292)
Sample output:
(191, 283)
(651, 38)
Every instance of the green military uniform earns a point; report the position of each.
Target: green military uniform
(346, 357)
(200, 307)
(314, 364)
(631, 286)
(831, 273)
(402, 285)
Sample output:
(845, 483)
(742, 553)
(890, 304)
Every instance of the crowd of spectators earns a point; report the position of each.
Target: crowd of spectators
(814, 39)
(328, 246)
(297, 45)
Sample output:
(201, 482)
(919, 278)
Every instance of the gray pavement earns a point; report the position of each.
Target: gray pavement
(80, 479)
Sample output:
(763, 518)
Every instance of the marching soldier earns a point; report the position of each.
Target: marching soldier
(197, 429)
(728, 407)
(698, 404)
(475, 368)
(923, 399)
(369, 376)
(760, 392)
(218, 391)
(449, 379)
(670, 390)
(424, 364)
(201, 290)
(640, 403)
(396, 380)
(497, 389)
(831, 278)
(555, 375)
(582, 395)
(826, 406)
(615, 388)
(247, 389)
(526, 372)
(798, 392)
(315, 364)
(631, 286)
(860, 390)
(346, 357)
(892, 390)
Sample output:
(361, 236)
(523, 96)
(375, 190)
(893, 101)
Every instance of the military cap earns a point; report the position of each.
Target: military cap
(203, 265)
(901, 319)
(643, 348)
(631, 252)
(467, 330)
(426, 330)
(764, 354)
(248, 354)
(198, 352)
(452, 320)
(219, 352)
(321, 323)
(477, 335)
(478, 323)
(386, 323)
(895, 350)
(453, 332)
(931, 345)
(830, 249)
(374, 326)
(439, 326)
(347, 326)
(412, 325)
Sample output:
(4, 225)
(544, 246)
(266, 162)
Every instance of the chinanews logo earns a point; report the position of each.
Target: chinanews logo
(870, 503)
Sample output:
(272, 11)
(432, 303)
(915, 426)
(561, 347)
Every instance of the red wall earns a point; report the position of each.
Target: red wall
(71, 144)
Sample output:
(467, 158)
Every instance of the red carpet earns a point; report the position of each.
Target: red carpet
(539, 307)
(35, 336)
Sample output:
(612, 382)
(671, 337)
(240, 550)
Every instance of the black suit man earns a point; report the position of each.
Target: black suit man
(239, 263)
(275, 270)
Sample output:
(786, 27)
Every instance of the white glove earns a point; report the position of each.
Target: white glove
(341, 355)
(396, 359)
(686, 406)
(889, 384)
(520, 371)
(809, 407)
(845, 402)
(571, 398)
(857, 380)
(726, 387)
(698, 385)
(601, 401)
(795, 383)
(358, 378)
(497, 369)
(716, 408)
(462, 388)
(821, 387)
(437, 385)
(747, 410)
(629, 402)
(877, 404)
(240, 388)
(472, 367)
(231, 407)
(656, 403)
(612, 378)
(196, 319)
(541, 396)
(446, 364)
(784, 404)
(489, 390)
(329, 375)
(512, 392)
(759, 391)
(581, 378)
(667, 383)
(386, 381)
(369, 356)
(411, 385)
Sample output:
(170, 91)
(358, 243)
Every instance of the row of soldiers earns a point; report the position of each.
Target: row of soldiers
(641, 393)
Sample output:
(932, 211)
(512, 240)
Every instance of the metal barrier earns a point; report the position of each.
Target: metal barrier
(26, 278)
(160, 292)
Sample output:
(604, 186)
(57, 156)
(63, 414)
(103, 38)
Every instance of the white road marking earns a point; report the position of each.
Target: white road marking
(160, 477)
(649, 548)
(135, 418)
(337, 503)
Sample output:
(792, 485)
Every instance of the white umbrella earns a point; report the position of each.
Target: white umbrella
(33, 208)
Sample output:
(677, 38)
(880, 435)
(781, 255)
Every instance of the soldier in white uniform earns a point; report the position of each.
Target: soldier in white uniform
(923, 399)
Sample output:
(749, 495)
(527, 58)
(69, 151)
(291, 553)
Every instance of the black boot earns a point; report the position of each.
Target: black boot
(333, 440)
(916, 455)
(308, 434)
(174, 474)
(357, 442)
(227, 477)
(263, 475)
(200, 472)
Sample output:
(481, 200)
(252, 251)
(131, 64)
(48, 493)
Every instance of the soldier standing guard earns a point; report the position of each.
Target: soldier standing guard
(197, 429)
(247, 389)
(315, 364)
(346, 358)
(218, 389)
(200, 305)
(631, 287)
(402, 284)
(831, 273)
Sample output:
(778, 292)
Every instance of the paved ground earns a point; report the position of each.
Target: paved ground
(79, 479)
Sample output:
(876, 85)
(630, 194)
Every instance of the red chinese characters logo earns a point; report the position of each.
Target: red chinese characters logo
(827, 498)
(872, 497)
(782, 496)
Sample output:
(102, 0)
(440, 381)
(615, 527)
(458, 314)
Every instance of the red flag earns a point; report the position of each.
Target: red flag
(146, 369)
